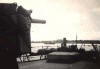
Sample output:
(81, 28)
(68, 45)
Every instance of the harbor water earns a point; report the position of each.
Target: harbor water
(36, 46)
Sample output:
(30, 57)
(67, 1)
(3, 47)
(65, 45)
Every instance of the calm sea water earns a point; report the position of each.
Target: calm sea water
(36, 46)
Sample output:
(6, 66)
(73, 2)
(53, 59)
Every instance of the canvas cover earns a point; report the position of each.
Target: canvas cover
(15, 27)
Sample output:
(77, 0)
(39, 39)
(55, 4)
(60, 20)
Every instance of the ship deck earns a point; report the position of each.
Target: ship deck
(42, 64)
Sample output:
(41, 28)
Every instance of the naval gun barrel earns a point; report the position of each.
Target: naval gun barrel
(38, 21)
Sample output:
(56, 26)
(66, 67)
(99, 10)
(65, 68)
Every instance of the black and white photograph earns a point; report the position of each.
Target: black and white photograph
(49, 34)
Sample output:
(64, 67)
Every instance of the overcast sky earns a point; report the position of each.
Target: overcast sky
(64, 18)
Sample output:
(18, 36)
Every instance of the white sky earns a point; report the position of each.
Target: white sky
(64, 18)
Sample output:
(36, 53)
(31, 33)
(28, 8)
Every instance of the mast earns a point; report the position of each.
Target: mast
(76, 39)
